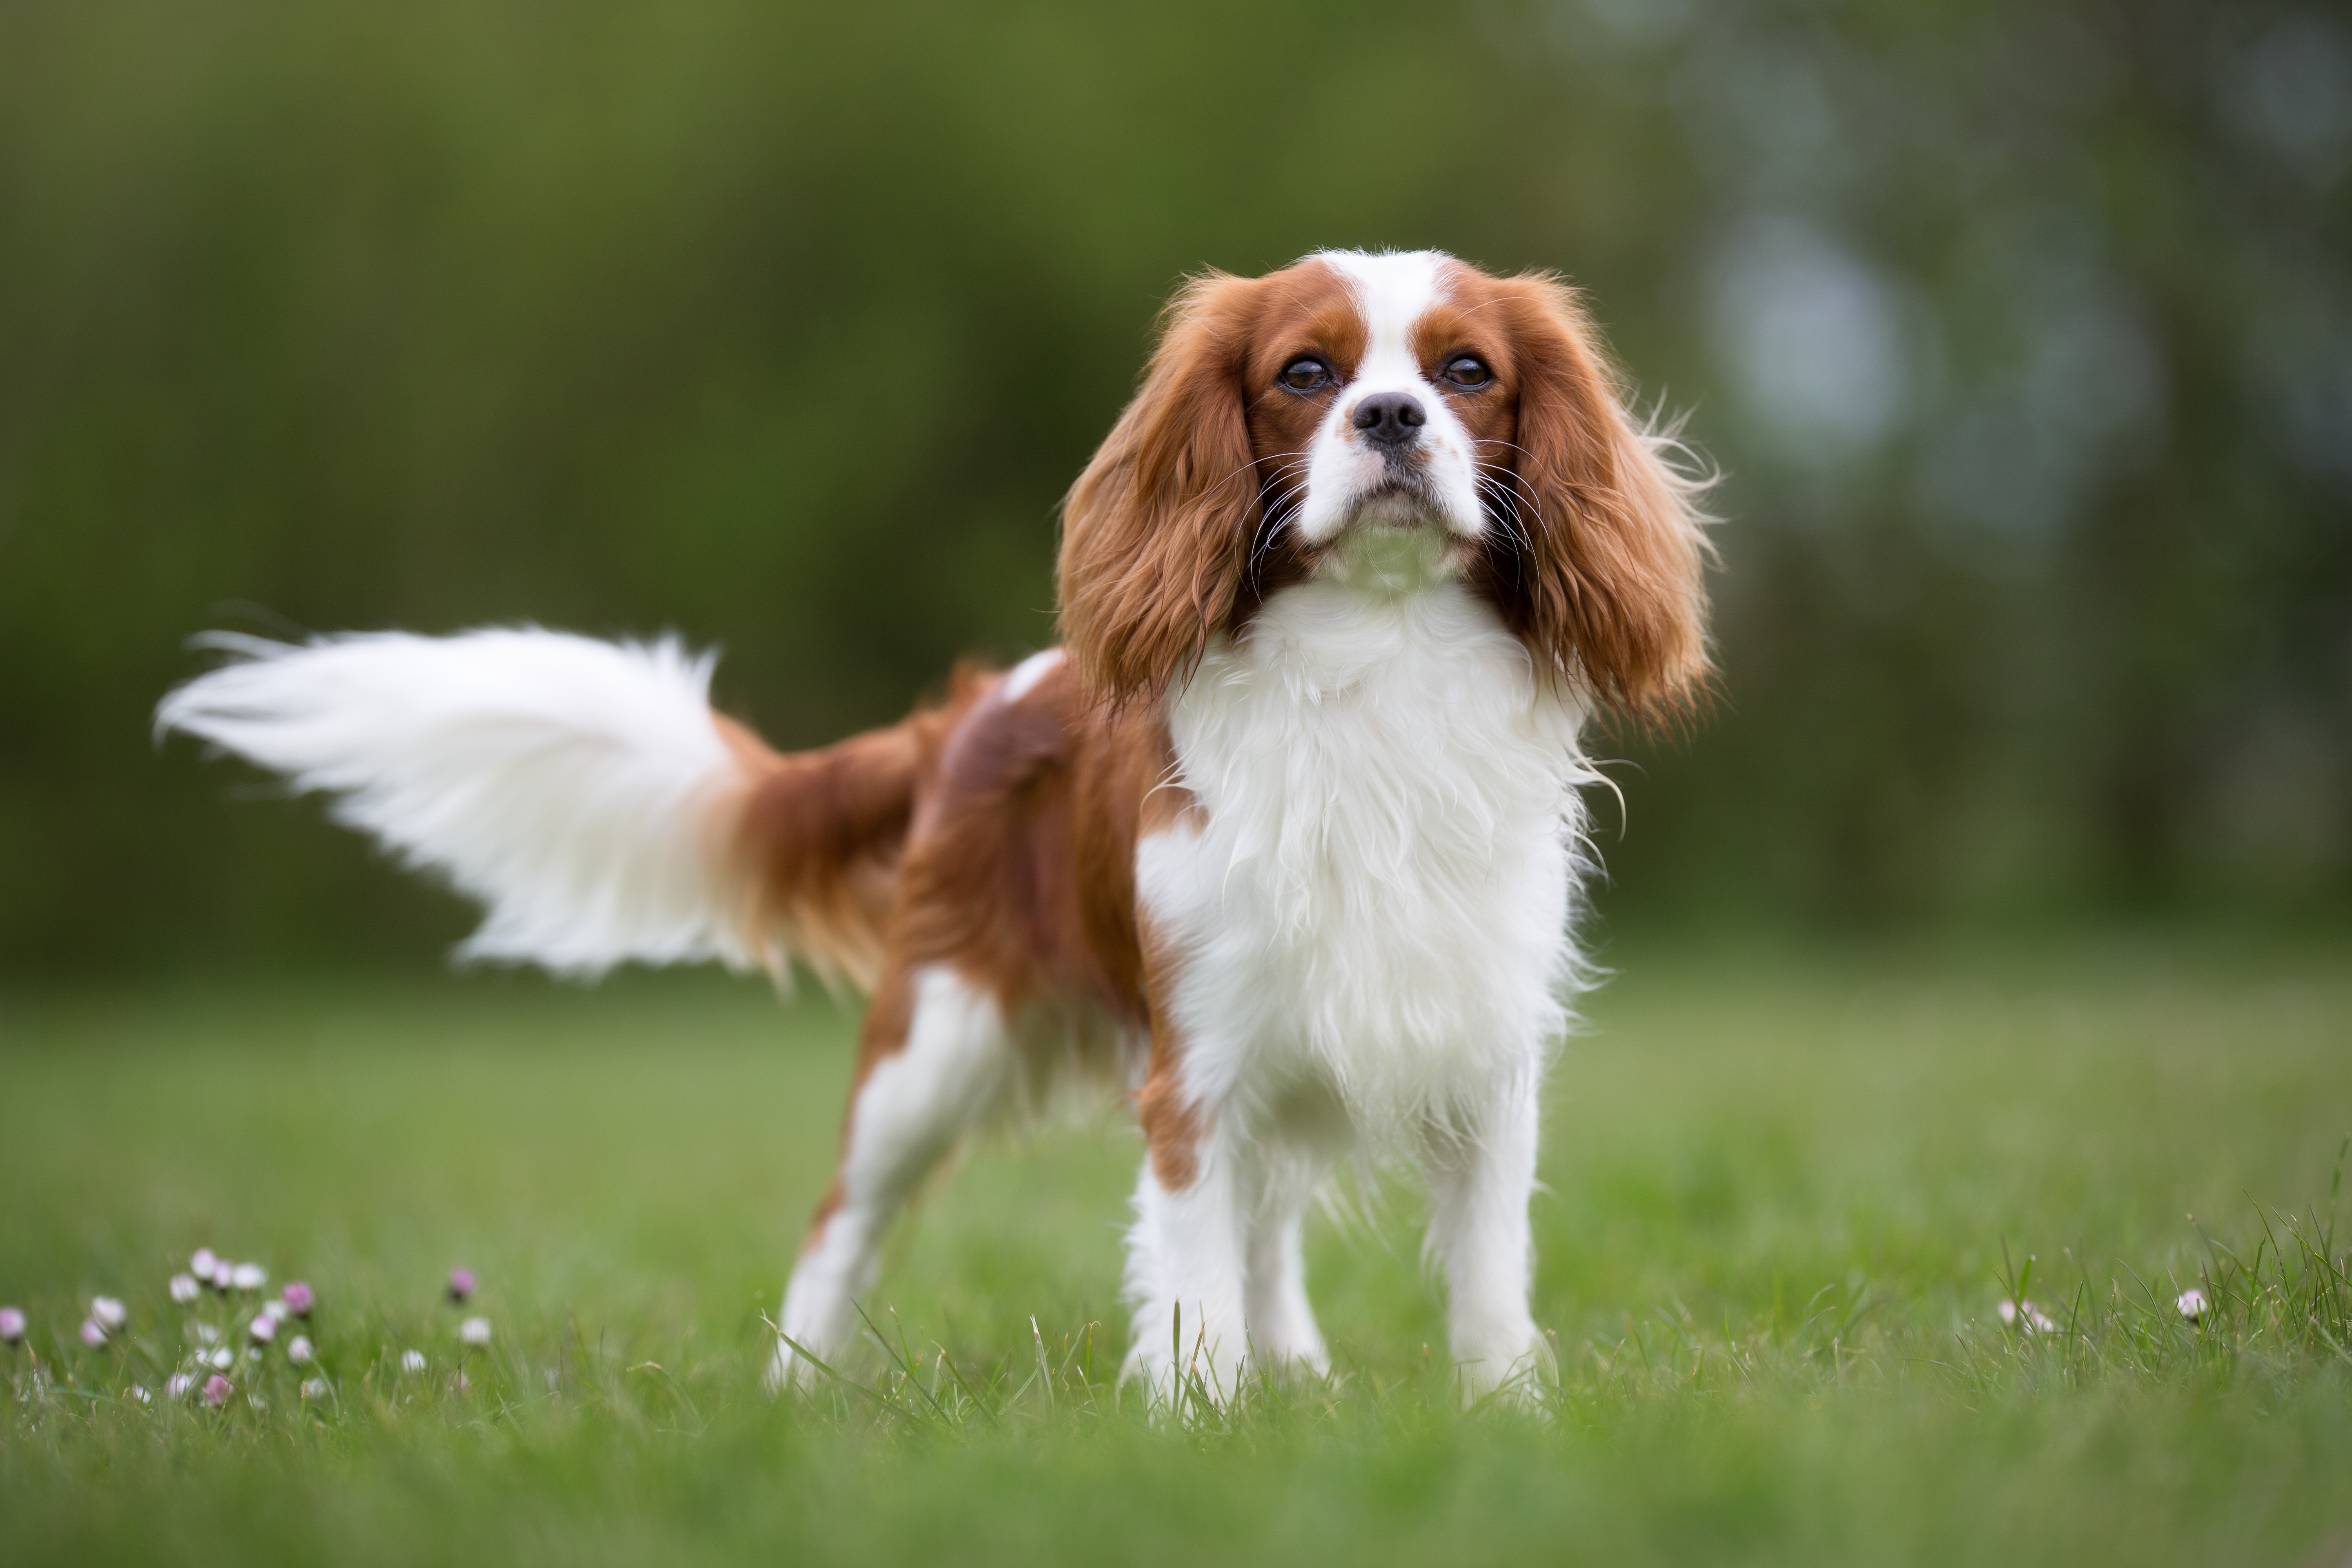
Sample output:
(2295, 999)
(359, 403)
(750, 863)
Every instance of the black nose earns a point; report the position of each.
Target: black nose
(1391, 418)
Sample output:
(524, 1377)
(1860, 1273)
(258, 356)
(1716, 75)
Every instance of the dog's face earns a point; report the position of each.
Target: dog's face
(1394, 407)
(1360, 394)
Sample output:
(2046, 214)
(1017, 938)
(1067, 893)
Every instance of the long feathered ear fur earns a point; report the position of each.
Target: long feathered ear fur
(1604, 581)
(1156, 531)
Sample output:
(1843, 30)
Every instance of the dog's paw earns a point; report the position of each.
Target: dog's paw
(1519, 1374)
(788, 1371)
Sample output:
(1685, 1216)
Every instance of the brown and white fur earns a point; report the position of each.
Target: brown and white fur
(1283, 838)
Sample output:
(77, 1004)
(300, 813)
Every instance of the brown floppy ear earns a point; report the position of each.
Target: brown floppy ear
(1604, 579)
(1156, 531)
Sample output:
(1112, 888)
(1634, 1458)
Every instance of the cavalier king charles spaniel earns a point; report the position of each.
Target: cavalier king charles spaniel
(1283, 840)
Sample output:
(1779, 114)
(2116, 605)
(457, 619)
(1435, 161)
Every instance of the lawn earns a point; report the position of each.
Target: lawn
(1788, 1191)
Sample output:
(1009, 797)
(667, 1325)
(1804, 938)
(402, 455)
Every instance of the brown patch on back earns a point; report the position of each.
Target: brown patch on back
(818, 834)
(1019, 866)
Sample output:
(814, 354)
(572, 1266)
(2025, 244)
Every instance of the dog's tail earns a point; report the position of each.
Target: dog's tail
(584, 792)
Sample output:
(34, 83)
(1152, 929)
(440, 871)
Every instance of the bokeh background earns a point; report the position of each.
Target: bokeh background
(2022, 330)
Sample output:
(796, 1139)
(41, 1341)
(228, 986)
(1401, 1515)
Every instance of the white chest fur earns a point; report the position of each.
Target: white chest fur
(1375, 907)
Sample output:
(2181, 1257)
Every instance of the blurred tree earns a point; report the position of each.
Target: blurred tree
(2023, 332)
(2030, 345)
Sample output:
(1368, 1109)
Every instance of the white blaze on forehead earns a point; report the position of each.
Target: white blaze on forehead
(1346, 479)
(1393, 290)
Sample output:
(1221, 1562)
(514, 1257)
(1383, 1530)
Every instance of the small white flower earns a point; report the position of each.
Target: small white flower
(412, 1360)
(264, 1328)
(275, 1310)
(474, 1330)
(224, 1274)
(12, 1325)
(92, 1334)
(176, 1386)
(2034, 1320)
(248, 1277)
(109, 1312)
(206, 1334)
(184, 1289)
(314, 1389)
(2191, 1303)
(222, 1359)
(203, 1263)
(140, 1395)
(298, 1350)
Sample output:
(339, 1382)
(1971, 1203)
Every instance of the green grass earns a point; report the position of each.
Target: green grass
(1786, 1192)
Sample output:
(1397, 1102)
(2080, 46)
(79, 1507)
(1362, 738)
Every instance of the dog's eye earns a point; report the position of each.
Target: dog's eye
(1305, 375)
(1468, 370)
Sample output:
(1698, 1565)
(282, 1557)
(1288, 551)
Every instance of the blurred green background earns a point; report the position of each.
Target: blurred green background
(2022, 332)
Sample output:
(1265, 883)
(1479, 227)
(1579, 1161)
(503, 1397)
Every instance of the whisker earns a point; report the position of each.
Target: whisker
(1253, 462)
(1508, 495)
(1269, 531)
(1519, 483)
(1505, 512)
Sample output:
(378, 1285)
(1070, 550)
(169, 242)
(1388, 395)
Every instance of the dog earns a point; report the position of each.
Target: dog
(1284, 839)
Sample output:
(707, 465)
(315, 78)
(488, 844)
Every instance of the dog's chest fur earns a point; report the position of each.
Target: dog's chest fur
(1371, 907)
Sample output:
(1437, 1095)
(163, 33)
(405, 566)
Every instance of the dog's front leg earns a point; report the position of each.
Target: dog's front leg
(1281, 1319)
(1481, 1172)
(1186, 1268)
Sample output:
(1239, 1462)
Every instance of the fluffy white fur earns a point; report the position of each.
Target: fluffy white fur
(565, 782)
(1378, 903)
(1375, 921)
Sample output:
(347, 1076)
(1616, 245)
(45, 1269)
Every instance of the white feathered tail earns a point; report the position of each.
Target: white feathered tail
(584, 792)
(576, 788)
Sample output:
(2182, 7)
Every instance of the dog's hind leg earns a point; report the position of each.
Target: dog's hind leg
(934, 1057)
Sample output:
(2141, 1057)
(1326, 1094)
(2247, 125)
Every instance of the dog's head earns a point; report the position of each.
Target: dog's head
(1405, 418)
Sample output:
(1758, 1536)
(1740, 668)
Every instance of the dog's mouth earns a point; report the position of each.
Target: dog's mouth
(1404, 504)
(1401, 544)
